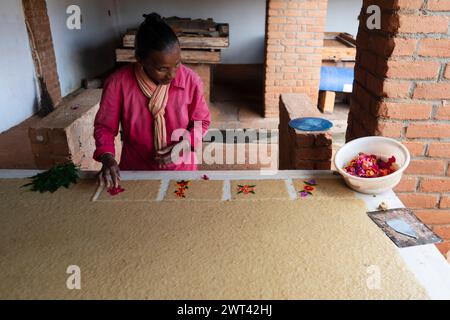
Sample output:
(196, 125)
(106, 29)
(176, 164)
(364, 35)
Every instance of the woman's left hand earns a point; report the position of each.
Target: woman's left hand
(164, 156)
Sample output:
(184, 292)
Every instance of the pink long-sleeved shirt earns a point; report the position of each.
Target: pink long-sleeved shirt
(124, 103)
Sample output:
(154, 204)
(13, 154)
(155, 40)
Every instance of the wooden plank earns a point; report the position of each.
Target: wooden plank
(424, 234)
(187, 42)
(339, 46)
(339, 64)
(326, 101)
(204, 42)
(331, 35)
(190, 25)
(187, 56)
(200, 56)
(338, 53)
(125, 55)
(347, 37)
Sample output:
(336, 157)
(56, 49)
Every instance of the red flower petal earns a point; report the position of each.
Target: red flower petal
(115, 191)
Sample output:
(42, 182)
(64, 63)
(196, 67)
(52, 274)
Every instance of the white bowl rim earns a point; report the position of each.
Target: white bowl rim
(398, 172)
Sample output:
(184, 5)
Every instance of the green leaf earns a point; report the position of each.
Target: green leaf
(62, 175)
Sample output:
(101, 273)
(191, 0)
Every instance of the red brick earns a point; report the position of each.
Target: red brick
(321, 153)
(447, 71)
(304, 140)
(405, 111)
(432, 91)
(439, 150)
(442, 231)
(443, 113)
(368, 61)
(417, 200)
(395, 4)
(438, 5)
(322, 165)
(387, 47)
(323, 139)
(396, 89)
(412, 69)
(360, 77)
(435, 185)
(404, 47)
(407, 184)
(380, 45)
(445, 203)
(277, 4)
(385, 88)
(36, 14)
(444, 248)
(422, 24)
(428, 167)
(428, 130)
(304, 165)
(390, 129)
(433, 217)
(416, 148)
(434, 48)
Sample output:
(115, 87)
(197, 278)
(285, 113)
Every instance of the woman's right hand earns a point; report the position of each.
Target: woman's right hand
(110, 173)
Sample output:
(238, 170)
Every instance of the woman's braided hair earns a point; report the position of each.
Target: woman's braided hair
(154, 34)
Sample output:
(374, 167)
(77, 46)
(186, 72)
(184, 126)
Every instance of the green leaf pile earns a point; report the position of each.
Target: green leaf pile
(62, 175)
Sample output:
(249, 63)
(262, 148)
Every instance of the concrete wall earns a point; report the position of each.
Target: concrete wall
(343, 16)
(87, 52)
(246, 19)
(18, 93)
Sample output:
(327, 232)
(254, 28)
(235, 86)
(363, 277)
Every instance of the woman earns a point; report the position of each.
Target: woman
(151, 99)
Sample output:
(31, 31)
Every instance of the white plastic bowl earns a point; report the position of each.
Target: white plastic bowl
(379, 146)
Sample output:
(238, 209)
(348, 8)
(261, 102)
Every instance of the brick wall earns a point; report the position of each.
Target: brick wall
(294, 41)
(402, 90)
(36, 15)
(301, 150)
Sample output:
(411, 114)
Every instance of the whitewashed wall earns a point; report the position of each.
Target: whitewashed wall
(246, 19)
(343, 16)
(17, 86)
(87, 52)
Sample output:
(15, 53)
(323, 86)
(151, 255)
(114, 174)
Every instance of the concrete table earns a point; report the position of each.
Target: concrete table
(425, 262)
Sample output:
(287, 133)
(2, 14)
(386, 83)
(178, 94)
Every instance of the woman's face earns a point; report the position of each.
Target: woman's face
(162, 66)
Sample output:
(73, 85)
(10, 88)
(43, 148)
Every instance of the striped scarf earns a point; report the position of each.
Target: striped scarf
(158, 95)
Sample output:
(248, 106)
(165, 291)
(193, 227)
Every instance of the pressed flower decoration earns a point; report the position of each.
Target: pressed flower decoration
(370, 166)
(246, 189)
(308, 188)
(182, 186)
(115, 191)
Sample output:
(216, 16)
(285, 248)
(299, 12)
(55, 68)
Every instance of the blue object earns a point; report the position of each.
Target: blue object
(336, 79)
(311, 124)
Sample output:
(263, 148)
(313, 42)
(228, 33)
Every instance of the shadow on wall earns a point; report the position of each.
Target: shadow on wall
(97, 60)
